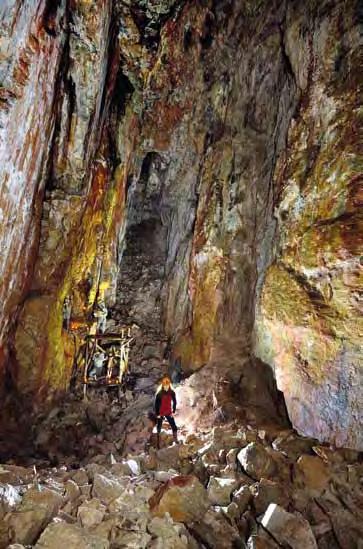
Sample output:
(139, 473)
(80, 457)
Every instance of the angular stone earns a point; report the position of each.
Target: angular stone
(60, 535)
(292, 445)
(72, 490)
(256, 461)
(183, 497)
(15, 475)
(91, 513)
(168, 458)
(106, 489)
(164, 476)
(215, 531)
(266, 492)
(36, 510)
(289, 529)
(131, 540)
(106, 528)
(220, 490)
(80, 477)
(312, 473)
(25, 526)
(169, 534)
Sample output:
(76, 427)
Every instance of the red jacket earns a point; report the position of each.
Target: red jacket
(165, 402)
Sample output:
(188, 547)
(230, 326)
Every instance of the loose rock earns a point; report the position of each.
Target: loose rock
(289, 529)
(256, 461)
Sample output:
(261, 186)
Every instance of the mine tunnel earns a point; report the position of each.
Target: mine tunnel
(181, 274)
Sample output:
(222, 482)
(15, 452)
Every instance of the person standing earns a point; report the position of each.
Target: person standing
(165, 406)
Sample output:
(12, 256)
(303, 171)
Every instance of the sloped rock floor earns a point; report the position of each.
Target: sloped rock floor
(94, 479)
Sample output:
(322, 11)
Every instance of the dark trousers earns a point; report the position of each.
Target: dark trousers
(170, 420)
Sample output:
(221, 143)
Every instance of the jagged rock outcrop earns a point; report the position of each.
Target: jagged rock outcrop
(225, 135)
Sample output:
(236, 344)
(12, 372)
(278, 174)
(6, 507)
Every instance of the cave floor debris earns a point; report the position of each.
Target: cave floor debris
(96, 480)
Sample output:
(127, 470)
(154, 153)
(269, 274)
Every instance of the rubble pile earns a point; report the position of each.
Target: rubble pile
(257, 485)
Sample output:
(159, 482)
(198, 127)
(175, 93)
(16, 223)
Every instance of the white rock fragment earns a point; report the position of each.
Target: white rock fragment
(288, 529)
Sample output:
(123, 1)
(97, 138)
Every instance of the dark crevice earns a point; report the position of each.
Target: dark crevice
(187, 38)
(285, 57)
(50, 16)
(64, 87)
(207, 37)
(122, 93)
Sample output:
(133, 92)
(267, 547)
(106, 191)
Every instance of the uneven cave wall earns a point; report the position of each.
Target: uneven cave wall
(75, 205)
(27, 46)
(216, 106)
(237, 100)
(309, 317)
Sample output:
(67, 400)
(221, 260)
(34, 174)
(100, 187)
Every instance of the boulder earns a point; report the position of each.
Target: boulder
(266, 492)
(168, 458)
(164, 476)
(183, 497)
(133, 506)
(256, 461)
(44, 498)
(220, 490)
(131, 540)
(91, 513)
(35, 512)
(168, 533)
(106, 528)
(72, 491)
(106, 489)
(288, 529)
(15, 475)
(312, 473)
(59, 535)
(215, 531)
(25, 526)
(80, 477)
(292, 445)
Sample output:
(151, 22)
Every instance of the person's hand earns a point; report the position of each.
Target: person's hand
(158, 417)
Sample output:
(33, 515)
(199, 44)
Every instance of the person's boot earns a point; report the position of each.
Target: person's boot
(158, 441)
(175, 437)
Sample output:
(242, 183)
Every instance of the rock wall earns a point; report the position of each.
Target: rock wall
(227, 132)
(27, 45)
(309, 320)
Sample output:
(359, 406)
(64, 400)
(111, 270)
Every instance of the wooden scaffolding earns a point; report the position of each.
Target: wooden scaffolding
(106, 359)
